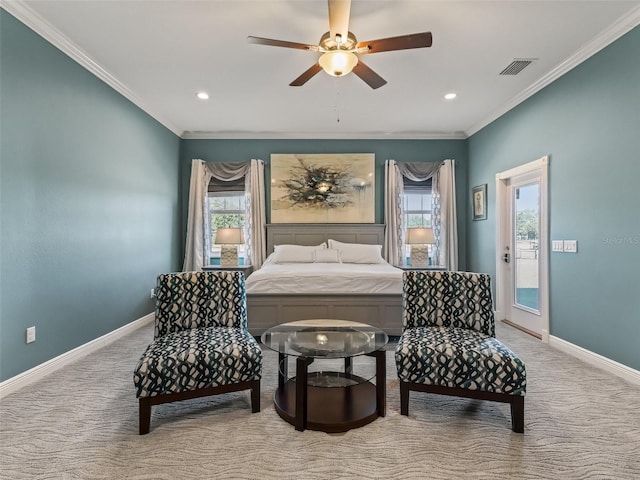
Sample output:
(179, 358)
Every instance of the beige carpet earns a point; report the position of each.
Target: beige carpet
(82, 423)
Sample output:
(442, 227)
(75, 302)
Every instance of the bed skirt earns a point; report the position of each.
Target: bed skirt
(267, 310)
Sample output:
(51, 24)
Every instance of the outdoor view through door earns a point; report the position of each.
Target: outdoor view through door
(526, 262)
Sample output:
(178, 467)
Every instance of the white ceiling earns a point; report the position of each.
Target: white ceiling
(160, 53)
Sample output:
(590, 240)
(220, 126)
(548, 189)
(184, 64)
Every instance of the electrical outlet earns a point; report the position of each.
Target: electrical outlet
(571, 246)
(31, 334)
(557, 246)
(153, 293)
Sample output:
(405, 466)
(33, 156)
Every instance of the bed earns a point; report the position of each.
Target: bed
(368, 293)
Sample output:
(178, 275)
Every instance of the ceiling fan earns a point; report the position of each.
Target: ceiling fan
(340, 49)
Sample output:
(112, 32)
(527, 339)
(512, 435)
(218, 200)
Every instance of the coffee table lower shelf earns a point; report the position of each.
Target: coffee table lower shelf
(330, 409)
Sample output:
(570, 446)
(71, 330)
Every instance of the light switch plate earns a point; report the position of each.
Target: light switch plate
(557, 246)
(571, 246)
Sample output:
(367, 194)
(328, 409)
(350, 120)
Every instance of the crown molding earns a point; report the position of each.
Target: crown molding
(621, 26)
(38, 24)
(324, 135)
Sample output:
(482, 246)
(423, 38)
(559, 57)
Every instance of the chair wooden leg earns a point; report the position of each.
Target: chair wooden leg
(404, 398)
(517, 414)
(255, 396)
(145, 415)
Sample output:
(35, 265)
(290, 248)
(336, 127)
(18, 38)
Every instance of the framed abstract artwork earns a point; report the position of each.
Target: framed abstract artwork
(323, 188)
(479, 196)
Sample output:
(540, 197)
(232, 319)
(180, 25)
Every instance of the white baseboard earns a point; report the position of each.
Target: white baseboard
(611, 366)
(39, 371)
(545, 336)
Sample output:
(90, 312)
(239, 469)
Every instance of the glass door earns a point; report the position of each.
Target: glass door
(527, 237)
(522, 260)
(525, 249)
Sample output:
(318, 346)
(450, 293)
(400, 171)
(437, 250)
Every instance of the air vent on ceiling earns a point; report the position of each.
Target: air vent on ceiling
(517, 66)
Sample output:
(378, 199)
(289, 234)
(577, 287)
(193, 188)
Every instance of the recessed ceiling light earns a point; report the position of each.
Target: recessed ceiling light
(203, 95)
(450, 96)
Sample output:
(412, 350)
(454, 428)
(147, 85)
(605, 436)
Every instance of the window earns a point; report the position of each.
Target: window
(417, 206)
(226, 210)
(417, 209)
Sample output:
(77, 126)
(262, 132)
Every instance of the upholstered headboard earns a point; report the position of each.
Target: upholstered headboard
(316, 233)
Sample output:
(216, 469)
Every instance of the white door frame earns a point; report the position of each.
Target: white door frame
(503, 234)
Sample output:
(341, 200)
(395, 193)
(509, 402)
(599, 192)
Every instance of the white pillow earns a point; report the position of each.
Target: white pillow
(326, 256)
(296, 253)
(358, 252)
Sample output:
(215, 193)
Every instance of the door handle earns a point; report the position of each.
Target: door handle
(506, 257)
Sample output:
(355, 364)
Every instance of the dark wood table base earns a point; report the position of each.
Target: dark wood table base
(331, 409)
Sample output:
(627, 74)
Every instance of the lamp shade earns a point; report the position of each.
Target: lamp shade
(420, 236)
(338, 62)
(229, 236)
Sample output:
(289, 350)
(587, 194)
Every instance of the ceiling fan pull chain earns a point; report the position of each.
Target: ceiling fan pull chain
(335, 105)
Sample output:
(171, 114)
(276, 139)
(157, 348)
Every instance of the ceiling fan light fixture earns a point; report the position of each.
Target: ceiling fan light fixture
(338, 62)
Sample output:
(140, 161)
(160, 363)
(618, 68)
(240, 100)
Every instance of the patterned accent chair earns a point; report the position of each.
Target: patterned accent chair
(448, 343)
(202, 345)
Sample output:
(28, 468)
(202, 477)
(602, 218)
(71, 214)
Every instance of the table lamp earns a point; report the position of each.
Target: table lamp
(229, 239)
(420, 239)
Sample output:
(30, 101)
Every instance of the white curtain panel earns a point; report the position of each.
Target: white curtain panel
(194, 248)
(444, 212)
(256, 214)
(393, 217)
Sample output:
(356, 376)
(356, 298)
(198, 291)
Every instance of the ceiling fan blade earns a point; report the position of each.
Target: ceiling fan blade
(306, 76)
(369, 77)
(403, 42)
(339, 11)
(279, 43)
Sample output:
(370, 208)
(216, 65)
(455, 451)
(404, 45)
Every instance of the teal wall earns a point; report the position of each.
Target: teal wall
(588, 122)
(94, 197)
(89, 205)
(399, 150)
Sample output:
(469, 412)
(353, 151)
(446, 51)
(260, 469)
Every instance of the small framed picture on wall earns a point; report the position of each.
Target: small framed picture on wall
(479, 197)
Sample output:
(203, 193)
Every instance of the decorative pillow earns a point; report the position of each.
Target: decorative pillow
(326, 256)
(296, 253)
(357, 252)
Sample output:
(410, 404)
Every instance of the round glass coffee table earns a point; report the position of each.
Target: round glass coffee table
(331, 397)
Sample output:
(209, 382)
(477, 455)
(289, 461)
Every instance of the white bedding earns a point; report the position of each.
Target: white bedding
(325, 278)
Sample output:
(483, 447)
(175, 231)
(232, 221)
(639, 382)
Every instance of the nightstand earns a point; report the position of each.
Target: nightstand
(429, 268)
(247, 269)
